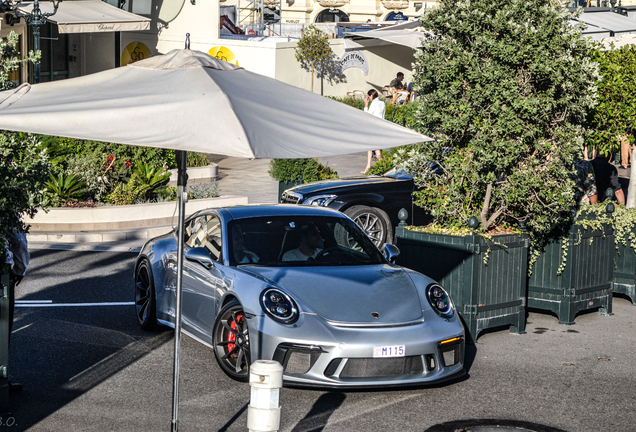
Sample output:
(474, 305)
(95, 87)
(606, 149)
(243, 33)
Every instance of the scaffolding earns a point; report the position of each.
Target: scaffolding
(260, 17)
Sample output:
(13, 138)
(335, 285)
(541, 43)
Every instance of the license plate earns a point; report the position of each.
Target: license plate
(388, 351)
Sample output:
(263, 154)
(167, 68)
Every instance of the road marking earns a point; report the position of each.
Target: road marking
(21, 328)
(83, 247)
(32, 301)
(34, 305)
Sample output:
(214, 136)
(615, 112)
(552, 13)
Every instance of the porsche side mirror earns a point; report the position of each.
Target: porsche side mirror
(391, 252)
(200, 255)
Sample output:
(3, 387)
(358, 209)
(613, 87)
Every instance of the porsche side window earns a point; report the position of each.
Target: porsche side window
(213, 242)
(194, 233)
(205, 231)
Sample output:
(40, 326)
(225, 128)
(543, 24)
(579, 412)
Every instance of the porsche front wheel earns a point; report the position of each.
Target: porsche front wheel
(231, 342)
(145, 302)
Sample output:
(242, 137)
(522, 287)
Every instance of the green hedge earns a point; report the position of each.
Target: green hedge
(294, 170)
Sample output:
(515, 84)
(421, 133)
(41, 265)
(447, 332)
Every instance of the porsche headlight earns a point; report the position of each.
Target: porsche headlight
(320, 200)
(279, 306)
(440, 300)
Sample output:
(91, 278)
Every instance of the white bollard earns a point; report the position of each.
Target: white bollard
(266, 380)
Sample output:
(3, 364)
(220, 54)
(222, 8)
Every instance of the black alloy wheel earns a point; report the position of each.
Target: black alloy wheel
(231, 342)
(374, 222)
(145, 301)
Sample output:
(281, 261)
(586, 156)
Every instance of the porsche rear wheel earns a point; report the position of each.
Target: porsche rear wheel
(374, 222)
(145, 301)
(231, 342)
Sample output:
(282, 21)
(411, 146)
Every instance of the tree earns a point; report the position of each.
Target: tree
(24, 171)
(614, 118)
(505, 87)
(23, 165)
(313, 47)
(10, 59)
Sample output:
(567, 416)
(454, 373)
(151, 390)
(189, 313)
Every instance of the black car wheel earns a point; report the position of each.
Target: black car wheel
(145, 301)
(231, 341)
(374, 222)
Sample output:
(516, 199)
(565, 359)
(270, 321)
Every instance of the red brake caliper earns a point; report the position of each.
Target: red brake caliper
(231, 336)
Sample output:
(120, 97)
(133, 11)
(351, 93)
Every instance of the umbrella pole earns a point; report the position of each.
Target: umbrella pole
(182, 179)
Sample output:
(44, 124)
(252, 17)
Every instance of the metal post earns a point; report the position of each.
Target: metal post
(36, 48)
(36, 19)
(263, 412)
(182, 179)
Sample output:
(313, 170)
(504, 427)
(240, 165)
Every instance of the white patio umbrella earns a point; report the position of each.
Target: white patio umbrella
(188, 100)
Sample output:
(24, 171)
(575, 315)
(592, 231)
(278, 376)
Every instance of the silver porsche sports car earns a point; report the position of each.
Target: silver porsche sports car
(306, 287)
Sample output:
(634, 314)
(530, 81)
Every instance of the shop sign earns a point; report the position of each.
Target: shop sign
(223, 53)
(353, 59)
(133, 52)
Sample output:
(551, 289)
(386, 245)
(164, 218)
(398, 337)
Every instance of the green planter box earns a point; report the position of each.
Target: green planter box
(283, 186)
(486, 295)
(625, 271)
(4, 340)
(585, 282)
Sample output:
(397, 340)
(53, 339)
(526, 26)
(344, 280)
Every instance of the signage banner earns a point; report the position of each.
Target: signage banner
(223, 53)
(353, 59)
(133, 52)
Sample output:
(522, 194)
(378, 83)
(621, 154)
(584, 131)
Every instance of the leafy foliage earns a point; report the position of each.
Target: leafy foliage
(10, 59)
(615, 114)
(204, 190)
(197, 160)
(24, 169)
(150, 176)
(128, 193)
(62, 188)
(88, 168)
(58, 148)
(313, 47)
(504, 89)
(305, 170)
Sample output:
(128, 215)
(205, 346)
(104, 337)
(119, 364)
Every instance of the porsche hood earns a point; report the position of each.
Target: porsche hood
(381, 295)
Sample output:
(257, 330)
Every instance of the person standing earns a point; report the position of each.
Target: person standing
(607, 184)
(373, 105)
(17, 258)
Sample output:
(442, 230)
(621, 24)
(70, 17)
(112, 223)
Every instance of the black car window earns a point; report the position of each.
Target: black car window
(300, 241)
(205, 231)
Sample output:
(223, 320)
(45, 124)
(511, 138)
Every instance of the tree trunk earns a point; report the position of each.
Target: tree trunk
(312, 77)
(631, 191)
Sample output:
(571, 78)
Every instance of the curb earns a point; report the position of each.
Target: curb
(97, 237)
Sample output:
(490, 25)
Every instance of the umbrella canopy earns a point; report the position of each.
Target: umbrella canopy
(188, 100)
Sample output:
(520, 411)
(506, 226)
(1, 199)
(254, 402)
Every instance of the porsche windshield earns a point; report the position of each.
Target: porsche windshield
(279, 241)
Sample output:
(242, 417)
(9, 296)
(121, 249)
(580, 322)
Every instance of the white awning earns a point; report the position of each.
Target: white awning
(407, 34)
(592, 31)
(90, 16)
(615, 23)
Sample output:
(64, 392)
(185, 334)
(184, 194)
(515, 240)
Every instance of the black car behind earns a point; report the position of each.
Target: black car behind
(373, 202)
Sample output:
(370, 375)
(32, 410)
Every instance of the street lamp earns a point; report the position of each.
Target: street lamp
(35, 19)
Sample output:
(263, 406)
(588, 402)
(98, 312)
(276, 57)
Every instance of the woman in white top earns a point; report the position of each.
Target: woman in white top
(377, 108)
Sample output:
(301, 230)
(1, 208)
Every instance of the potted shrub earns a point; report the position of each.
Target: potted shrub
(503, 88)
(24, 171)
(574, 272)
(624, 281)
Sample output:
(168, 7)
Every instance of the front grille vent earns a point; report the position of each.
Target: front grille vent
(381, 367)
(290, 198)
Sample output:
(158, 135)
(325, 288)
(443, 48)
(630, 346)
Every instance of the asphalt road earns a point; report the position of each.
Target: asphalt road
(89, 368)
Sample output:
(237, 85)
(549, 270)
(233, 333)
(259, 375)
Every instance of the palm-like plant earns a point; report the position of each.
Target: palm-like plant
(65, 187)
(151, 176)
